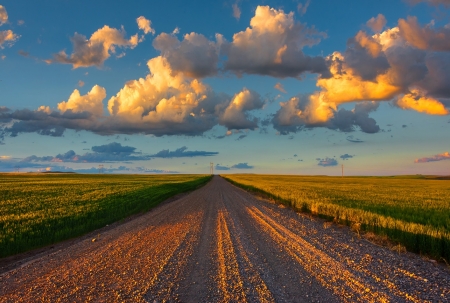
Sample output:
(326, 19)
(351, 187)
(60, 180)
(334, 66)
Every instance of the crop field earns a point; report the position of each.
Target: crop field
(41, 209)
(411, 210)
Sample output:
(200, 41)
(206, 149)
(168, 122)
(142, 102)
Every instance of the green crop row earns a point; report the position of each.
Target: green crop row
(38, 210)
(412, 211)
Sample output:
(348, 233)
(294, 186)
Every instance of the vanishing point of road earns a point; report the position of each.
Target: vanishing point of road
(222, 244)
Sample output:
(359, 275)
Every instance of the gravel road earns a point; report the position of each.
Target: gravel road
(221, 244)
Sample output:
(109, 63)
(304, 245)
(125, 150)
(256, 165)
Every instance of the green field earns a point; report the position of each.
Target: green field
(41, 209)
(411, 210)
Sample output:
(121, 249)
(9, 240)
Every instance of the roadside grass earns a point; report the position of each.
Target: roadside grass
(413, 211)
(42, 209)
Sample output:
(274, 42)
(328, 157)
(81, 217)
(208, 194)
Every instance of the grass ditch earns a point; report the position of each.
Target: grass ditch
(408, 222)
(41, 210)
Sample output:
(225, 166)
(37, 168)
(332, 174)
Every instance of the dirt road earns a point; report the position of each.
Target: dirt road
(221, 244)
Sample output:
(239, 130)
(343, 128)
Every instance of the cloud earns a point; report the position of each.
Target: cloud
(302, 8)
(425, 38)
(3, 15)
(346, 120)
(272, 45)
(385, 66)
(353, 139)
(446, 3)
(242, 166)
(301, 111)
(423, 104)
(280, 87)
(162, 103)
(195, 55)
(312, 111)
(80, 83)
(235, 166)
(241, 137)
(114, 148)
(236, 114)
(327, 162)
(221, 167)
(112, 152)
(91, 102)
(145, 25)
(181, 152)
(346, 156)
(7, 37)
(438, 157)
(95, 50)
(236, 10)
(376, 24)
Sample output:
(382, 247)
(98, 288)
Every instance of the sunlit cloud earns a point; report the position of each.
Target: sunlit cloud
(236, 10)
(91, 102)
(446, 3)
(438, 157)
(386, 66)
(280, 87)
(236, 116)
(165, 101)
(423, 104)
(3, 15)
(272, 45)
(7, 37)
(145, 25)
(425, 38)
(95, 50)
(195, 55)
(376, 24)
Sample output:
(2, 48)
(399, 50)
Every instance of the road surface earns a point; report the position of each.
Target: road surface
(221, 244)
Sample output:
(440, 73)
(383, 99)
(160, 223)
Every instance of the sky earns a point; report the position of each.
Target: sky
(267, 87)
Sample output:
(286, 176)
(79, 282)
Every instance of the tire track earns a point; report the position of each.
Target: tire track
(324, 268)
(230, 281)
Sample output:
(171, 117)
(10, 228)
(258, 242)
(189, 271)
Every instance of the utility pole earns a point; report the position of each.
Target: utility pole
(342, 170)
(211, 168)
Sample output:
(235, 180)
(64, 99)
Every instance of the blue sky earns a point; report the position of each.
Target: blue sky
(286, 87)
